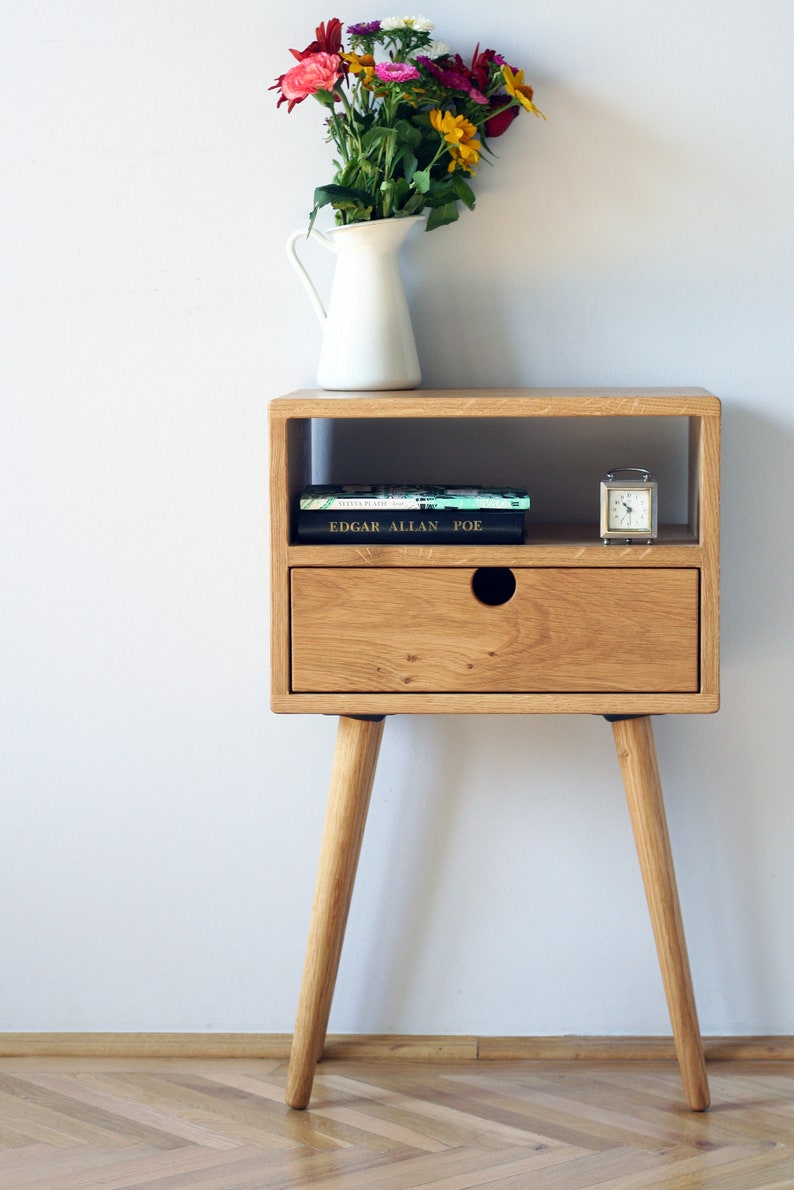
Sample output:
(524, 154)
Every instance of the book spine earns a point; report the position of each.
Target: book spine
(412, 503)
(319, 500)
(438, 528)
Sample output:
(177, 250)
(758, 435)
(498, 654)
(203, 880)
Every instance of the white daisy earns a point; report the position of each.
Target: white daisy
(436, 49)
(421, 24)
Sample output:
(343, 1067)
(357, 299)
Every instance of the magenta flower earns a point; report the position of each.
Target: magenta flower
(396, 72)
(456, 80)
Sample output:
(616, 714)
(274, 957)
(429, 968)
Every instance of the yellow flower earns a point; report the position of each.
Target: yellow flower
(460, 134)
(515, 86)
(363, 64)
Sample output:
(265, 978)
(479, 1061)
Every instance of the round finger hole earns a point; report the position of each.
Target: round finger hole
(493, 585)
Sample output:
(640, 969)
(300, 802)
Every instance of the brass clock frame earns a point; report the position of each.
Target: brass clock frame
(613, 481)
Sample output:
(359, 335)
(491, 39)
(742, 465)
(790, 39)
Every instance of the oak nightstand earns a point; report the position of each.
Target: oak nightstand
(624, 631)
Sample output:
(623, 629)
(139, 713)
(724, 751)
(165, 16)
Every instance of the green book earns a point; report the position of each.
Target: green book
(409, 497)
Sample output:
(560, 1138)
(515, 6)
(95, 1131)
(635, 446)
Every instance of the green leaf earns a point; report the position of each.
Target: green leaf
(326, 98)
(463, 190)
(400, 193)
(441, 193)
(421, 180)
(408, 133)
(409, 164)
(342, 198)
(379, 132)
(415, 204)
(448, 213)
(336, 195)
(387, 190)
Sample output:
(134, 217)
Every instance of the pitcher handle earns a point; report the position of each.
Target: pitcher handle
(300, 268)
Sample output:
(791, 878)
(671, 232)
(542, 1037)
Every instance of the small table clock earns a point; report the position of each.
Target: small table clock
(628, 506)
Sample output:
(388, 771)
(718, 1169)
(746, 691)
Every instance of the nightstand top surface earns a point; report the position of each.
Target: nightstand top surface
(499, 402)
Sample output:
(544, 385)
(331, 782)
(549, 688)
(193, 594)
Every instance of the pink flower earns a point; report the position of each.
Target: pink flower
(396, 72)
(316, 72)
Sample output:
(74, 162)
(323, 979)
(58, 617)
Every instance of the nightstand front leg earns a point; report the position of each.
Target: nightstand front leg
(637, 754)
(352, 776)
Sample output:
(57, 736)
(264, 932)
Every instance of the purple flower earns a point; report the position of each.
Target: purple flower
(364, 28)
(396, 72)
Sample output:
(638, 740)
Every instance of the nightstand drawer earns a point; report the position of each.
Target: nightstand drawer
(559, 630)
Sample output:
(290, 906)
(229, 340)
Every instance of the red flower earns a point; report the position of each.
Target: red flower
(328, 40)
(481, 66)
(500, 123)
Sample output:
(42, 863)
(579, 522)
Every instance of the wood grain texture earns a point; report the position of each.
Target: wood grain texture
(222, 1125)
(562, 630)
(546, 545)
(705, 449)
(283, 469)
(355, 759)
(494, 704)
(506, 402)
(637, 756)
(691, 546)
(381, 1047)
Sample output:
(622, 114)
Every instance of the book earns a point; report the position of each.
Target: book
(437, 527)
(394, 497)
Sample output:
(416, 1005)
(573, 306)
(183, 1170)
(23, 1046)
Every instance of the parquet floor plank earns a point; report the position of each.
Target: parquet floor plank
(606, 1120)
(192, 1124)
(453, 1126)
(63, 1116)
(95, 1166)
(88, 1091)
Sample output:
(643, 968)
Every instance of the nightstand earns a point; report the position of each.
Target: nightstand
(623, 631)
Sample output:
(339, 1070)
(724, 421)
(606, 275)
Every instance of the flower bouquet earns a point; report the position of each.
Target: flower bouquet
(409, 119)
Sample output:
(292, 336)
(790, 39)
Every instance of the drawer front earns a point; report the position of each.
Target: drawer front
(561, 630)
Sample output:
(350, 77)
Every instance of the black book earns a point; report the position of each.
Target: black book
(411, 528)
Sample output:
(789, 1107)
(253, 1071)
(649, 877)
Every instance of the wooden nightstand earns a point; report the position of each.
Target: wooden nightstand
(624, 631)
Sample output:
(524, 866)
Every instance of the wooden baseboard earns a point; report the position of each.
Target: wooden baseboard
(145, 1045)
(387, 1047)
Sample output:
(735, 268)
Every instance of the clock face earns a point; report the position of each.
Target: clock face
(629, 510)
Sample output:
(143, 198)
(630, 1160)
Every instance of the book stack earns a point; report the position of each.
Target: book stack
(399, 514)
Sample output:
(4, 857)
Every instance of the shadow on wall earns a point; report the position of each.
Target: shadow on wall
(452, 776)
(756, 595)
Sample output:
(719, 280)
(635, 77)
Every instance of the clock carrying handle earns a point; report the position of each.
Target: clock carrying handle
(646, 475)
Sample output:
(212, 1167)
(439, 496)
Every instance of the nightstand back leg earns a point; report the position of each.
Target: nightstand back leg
(637, 754)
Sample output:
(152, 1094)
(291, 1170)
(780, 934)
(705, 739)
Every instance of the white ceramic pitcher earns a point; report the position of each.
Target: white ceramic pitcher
(368, 340)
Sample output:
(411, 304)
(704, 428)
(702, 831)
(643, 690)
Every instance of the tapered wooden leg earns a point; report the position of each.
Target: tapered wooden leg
(355, 759)
(637, 755)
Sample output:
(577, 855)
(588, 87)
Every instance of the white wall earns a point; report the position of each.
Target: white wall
(160, 826)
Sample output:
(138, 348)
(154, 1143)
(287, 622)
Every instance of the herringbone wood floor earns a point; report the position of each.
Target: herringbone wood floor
(222, 1125)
